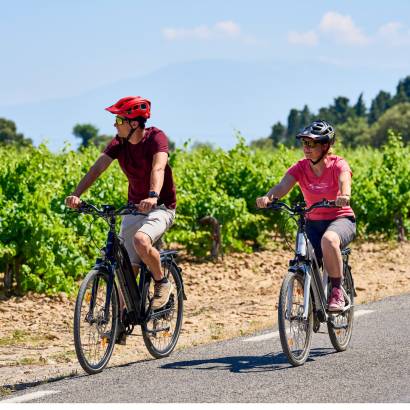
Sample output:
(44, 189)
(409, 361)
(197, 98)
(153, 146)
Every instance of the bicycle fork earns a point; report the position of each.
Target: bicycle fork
(94, 291)
(306, 294)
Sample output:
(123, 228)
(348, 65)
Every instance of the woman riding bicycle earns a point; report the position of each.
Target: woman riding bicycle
(322, 175)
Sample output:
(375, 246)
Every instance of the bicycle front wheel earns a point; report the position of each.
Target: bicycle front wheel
(295, 331)
(95, 325)
(162, 331)
(340, 326)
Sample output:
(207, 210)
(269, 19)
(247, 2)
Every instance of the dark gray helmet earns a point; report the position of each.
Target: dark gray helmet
(320, 131)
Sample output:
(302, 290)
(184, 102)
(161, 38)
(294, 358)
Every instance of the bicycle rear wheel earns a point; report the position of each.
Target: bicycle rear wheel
(295, 331)
(340, 326)
(162, 331)
(94, 331)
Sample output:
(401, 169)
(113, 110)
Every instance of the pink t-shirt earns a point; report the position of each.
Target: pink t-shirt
(326, 186)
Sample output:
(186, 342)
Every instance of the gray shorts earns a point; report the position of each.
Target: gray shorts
(344, 227)
(155, 224)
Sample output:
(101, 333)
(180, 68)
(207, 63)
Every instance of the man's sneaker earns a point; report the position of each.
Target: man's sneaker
(162, 292)
(336, 300)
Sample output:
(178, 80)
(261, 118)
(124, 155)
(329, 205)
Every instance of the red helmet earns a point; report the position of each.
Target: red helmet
(131, 107)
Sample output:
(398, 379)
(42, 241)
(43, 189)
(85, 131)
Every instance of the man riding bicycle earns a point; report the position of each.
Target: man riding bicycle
(143, 156)
(322, 175)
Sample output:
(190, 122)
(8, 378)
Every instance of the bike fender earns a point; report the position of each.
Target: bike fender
(169, 257)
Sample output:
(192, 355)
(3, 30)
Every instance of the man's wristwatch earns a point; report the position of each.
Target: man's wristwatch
(153, 194)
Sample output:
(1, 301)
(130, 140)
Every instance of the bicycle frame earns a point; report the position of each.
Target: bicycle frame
(306, 264)
(116, 264)
(315, 283)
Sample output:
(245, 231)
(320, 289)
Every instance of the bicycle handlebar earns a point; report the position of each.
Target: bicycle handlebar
(108, 210)
(301, 209)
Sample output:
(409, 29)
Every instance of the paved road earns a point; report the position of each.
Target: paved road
(376, 368)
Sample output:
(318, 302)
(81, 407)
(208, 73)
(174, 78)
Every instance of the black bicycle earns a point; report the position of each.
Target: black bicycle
(303, 298)
(112, 300)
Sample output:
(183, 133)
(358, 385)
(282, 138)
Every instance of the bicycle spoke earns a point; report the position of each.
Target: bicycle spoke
(163, 328)
(295, 331)
(94, 333)
(340, 325)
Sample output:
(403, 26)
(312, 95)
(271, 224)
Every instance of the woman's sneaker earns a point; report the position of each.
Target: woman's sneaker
(336, 300)
(162, 292)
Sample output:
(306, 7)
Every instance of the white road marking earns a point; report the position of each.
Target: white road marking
(272, 335)
(30, 396)
(265, 336)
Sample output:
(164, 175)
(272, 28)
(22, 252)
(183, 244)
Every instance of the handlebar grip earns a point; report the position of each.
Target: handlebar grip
(83, 206)
(274, 205)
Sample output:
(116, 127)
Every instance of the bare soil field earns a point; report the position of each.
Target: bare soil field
(234, 296)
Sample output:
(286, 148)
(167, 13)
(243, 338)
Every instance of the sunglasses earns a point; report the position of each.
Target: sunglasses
(309, 143)
(120, 120)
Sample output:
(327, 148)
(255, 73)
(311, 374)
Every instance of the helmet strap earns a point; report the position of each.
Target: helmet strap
(131, 132)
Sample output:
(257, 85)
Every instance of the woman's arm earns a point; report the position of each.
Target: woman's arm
(345, 188)
(278, 191)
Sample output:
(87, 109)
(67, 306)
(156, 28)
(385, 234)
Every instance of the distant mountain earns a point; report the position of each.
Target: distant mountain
(204, 100)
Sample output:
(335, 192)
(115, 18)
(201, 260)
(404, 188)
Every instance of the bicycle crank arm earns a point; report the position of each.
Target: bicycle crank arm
(335, 326)
(157, 315)
(161, 329)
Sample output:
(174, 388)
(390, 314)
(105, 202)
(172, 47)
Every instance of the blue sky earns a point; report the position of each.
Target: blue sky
(56, 53)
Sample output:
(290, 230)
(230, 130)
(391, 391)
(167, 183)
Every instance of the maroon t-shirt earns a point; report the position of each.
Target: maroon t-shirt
(136, 162)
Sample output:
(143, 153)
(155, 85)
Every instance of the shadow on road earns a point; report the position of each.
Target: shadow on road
(245, 364)
(23, 386)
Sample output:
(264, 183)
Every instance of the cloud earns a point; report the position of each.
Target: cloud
(342, 29)
(200, 32)
(394, 34)
(229, 28)
(222, 29)
(308, 38)
(335, 26)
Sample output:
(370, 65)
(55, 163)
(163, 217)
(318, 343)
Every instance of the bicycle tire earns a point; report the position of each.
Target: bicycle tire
(94, 339)
(160, 343)
(340, 338)
(291, 324)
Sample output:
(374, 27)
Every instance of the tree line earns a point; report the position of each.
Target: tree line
(87, 133)
(355, 124)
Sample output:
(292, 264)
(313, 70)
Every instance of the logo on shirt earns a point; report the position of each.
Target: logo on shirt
(318, 187)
